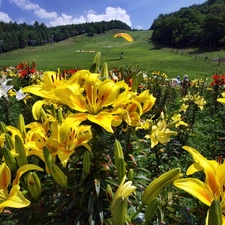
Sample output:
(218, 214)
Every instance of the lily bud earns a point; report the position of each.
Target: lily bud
(58, 175)
(109, 192)
(214, 215)
(3, 128)
(21, 126)
(119, 212)
(151, 210)
(118, 152)
(104, 72)
(157, 185)
(9, 159)
(131, 174)
(19, 147)
(9, 142)
(86, 162)
(34, 185)
(60, 115)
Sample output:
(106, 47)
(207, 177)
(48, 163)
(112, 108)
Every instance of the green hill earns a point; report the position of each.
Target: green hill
(79, 52)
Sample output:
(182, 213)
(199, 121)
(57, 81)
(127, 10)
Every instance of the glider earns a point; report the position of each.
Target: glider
(125, 36)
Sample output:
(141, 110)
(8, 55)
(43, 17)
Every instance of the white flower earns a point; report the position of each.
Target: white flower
(20, 95)
(4, 88)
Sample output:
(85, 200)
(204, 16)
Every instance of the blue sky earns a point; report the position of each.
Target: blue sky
(138, 14)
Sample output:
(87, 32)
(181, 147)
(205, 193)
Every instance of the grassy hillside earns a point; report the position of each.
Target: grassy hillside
(79, 52)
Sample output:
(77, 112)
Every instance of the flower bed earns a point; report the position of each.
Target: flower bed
(109, 146)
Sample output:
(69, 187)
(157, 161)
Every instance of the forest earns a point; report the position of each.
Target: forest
(201, 26)
(14, 36)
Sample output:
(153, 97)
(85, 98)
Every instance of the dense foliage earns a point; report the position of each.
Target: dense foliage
(14, 36)
(106, 146)
(200, 26)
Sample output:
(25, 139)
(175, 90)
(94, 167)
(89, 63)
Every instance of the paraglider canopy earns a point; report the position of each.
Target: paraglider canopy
(125, 36)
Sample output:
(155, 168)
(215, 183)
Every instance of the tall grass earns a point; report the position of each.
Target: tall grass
(79, 52)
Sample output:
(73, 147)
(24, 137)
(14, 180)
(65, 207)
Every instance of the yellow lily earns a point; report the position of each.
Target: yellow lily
(200, 101)
(213, 187)
(15, 198)
(119, 202)
(35, 139)
(124, 190)
(147, 100)
(137, 106)
(177, 120)
(93, 101)
(222, 100)
(2, 139)
(72, 135)
(130, 107)
(183, 107)
(160, 133)
(53, 80)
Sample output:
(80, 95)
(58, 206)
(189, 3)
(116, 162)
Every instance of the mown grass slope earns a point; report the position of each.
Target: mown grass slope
(79, 52)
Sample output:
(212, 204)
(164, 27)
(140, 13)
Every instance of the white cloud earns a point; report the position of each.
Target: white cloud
(43, 14)
(4, 17)
(66, 19)
(139, 27)
(111, 13)
(38, 11)
(25, 4)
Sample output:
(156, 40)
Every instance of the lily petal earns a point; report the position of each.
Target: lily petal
(197, 188)
(24, 169)
(5, 176)
(103, 119)
(15, 200)
(209, 170)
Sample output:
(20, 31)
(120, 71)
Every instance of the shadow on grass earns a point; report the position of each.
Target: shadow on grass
(114, 59)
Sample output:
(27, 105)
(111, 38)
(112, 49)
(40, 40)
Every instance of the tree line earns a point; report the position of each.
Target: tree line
(14, 36)
(201, 26)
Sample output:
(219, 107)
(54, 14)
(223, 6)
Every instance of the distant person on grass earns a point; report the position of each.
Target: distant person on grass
(121, 55)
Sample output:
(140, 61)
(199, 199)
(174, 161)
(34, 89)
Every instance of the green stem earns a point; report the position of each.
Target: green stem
(138, 211)
(94, 143)
(128, 137)
(6, 107)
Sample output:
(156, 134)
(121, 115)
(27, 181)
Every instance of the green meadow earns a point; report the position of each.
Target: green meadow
(79, 52)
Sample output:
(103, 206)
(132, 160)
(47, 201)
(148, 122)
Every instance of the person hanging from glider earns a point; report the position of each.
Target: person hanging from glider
(126, 37)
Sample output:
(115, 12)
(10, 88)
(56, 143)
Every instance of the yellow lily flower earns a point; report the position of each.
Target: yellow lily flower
(92, 102)
(147, 100)
(2, 140)
(124, 190)
(34, 140)
(14, 198)
(130, 107)
(160, 134)
(183, 107)
(81, 76)
(188, 97)
(177, 120)
(53, 80)
(72, 135)
(137, 106)
(200, 101)
(222, 100)
(212, 188)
